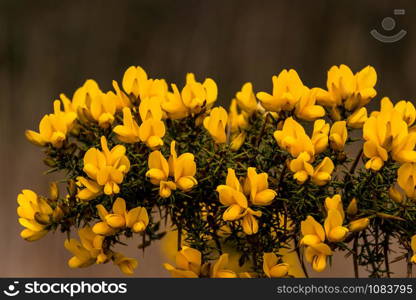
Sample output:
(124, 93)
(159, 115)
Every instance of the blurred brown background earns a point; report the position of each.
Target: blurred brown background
(48, 47)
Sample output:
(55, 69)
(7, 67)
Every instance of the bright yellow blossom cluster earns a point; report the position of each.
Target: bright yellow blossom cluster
(105, 168)
(53, 128)
(388, 131)
(189, 264)
(182, 169)
(238, 198)
(136, 219)
(90, 251)
(35, 214)
(293, 139)
(252, 189)
(314, 234)
(348, 90)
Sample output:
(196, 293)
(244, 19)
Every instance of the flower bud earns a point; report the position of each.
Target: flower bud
(53, 191)
(49, 162)
(237, 141)
(72, 188)
(395, 195)
(352, 208)
(358, 225)
(57, 214)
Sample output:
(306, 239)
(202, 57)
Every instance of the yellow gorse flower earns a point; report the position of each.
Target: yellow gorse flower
(234, 196)
(35, 214)
(196, 95)
(306, 108)
(88, 189)
(348, 90)
(249, 221)
(136, 219)
(91, 251)
(338, 135)
(128, 132)
(216, 124)
(335, 202)
(92, 104)
(323, 172)
(53, 128)
(133, 79)
(150, 108)
(219, 270)
(173, 104)
(150, 131)
(152, 128)
(386, 132)
(107, 167)
(84, 94)
(238, 123)
(154, 88)
(313, 232)
(407, 111)
(317, 256)
(272, 268)
(335, 232)
(294, 139)
(302, 170)
(358, 118)
(316, 251)
(231, 195)
(246, 99)
(256, 186)
(188, 263)
(119, 97)
(320, 134)
(406, 178)
(287, 91)
(181, 169)
(87, 252)
(127, 265)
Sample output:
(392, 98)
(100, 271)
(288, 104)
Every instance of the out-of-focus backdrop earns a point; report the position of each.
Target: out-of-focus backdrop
(49, 47)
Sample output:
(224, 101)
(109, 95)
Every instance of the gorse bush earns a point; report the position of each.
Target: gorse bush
(265, 181)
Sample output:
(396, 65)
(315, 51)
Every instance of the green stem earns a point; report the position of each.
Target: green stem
(355, 255)
(386, 253)
(409, 265)
(367, 247)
